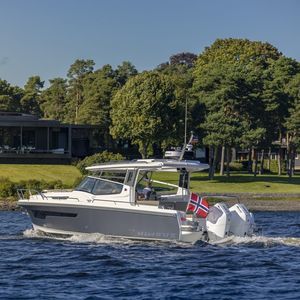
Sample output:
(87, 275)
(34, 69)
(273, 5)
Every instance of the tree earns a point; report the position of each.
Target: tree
(98, 90)
(293, 122)
(76, 74)
(31, 99)
(144, 110)
(179, 69)
(185, 58)
(228, 81)
(54, 105)
(9, 97)
(125, 71)
(277, 101)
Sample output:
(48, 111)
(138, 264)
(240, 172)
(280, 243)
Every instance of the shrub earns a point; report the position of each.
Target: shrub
(97, 158)
(236, 166)
(274, 166)
(7, 188)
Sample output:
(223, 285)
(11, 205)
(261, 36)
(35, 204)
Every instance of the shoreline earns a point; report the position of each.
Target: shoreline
(254, 202)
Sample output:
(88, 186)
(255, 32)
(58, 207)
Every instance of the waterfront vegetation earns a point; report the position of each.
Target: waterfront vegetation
(239, 183)
(63, 176)
(35, 177)
(238, 93)
(17, 172)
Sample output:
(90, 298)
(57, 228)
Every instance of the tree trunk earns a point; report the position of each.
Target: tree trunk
(293, 162)
(288, 162)
(215, 160)
(144, 149)
(250, 161)
(210, 174)
(227, 161)
(269, 160)
(222, 161)
(77, 107)
(256, 161)
(279, 161)
(262, 161)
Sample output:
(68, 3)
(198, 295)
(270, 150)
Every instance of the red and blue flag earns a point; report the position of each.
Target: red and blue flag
(199, 206)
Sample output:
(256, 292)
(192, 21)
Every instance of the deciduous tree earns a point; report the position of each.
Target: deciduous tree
(144, 110)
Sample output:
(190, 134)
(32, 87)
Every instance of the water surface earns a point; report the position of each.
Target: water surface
(96, 267)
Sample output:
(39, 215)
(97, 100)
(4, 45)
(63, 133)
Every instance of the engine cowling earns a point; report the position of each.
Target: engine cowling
(218, 222)
(242, 221)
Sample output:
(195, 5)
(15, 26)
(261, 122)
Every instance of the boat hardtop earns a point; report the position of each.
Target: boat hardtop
(152, 164)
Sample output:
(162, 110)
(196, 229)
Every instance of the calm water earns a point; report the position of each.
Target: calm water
(95, 267)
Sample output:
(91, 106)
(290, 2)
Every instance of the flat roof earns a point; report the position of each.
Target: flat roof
(15, 119)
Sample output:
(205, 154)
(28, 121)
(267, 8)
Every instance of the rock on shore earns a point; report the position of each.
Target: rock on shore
(8, 204)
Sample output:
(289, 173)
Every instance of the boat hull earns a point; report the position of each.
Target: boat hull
(108, 221)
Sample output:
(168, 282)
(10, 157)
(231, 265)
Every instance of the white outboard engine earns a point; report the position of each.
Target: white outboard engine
(218, 222)
(242, 221)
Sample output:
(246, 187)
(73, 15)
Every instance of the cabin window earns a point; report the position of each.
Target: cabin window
(103, 187)
(130, 178)
(114, 176)
(99, 187)
(86, 185)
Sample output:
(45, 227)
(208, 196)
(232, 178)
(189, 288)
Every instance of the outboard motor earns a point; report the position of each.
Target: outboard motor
(242, 221)
(218, 222)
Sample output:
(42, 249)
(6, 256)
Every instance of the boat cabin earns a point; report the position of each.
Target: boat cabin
(142, 181)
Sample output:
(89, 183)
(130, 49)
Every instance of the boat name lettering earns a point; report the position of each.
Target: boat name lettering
(164, 235)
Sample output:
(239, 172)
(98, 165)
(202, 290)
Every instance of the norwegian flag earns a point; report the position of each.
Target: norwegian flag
(198, 205)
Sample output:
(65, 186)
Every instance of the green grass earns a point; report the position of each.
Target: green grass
(67, 174)
(238, 183)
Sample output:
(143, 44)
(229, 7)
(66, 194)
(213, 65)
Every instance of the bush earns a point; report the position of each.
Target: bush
(7, 188)
(274, 166)
(97, 158)
(236, 166)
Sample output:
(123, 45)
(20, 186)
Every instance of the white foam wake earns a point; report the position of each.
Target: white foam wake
(267, 241)
(98, 238)
(90, 238)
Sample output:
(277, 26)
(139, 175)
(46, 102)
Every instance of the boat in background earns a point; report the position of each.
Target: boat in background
(111, 201)
(183, 153)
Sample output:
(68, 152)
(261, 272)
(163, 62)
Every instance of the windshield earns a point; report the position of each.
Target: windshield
(99, 187)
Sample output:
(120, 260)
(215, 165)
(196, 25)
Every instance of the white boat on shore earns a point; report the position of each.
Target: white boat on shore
(111, 201)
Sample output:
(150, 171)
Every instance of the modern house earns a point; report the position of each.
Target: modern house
(25, 138)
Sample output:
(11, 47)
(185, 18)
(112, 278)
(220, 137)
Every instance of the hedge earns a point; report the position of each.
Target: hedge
(97, 158)
(9, 189)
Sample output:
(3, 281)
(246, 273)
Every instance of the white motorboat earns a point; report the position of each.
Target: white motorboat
(110, 201)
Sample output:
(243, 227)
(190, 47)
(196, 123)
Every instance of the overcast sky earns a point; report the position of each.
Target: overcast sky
(44, 37)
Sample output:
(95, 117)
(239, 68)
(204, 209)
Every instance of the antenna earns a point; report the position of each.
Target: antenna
(185, 121)
(185, 130)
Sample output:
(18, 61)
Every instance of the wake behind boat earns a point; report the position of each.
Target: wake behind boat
(119, 199)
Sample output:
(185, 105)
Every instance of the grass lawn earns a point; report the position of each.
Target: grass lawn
(67, 174)
(238, 183)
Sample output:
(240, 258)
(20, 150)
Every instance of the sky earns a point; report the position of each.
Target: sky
(44, 37)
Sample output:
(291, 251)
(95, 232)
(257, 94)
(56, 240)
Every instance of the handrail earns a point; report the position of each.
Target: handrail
(21, 193)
